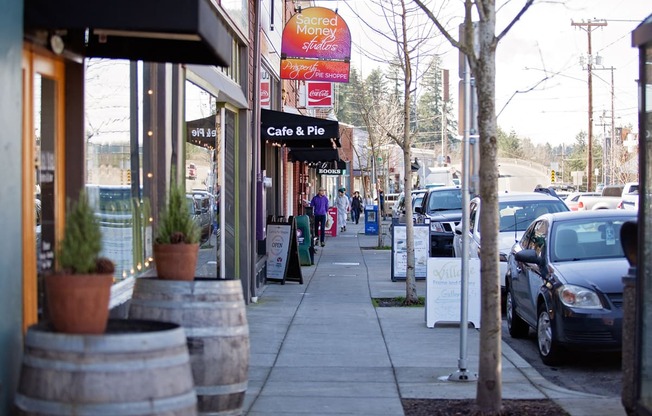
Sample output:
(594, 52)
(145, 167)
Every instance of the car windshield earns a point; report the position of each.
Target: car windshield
(583, 239)
(447, 200)
(518, 215)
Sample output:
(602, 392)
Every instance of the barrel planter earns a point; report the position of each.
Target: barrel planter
(135, 368)
(213, 314)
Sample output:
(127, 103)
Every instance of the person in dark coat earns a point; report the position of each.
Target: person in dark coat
(356, 207)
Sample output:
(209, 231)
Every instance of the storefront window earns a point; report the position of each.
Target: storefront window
(203, 185)
(122, 210)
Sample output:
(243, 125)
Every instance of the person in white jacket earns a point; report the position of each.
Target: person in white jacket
(343, 205)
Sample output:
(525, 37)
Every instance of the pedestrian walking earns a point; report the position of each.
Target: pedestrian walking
(356, 207)
(319, 204)
(343, 207)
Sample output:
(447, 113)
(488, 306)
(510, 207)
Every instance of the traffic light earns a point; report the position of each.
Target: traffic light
(552, 175)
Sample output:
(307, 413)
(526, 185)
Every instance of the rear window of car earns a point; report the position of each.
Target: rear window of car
(518, 215)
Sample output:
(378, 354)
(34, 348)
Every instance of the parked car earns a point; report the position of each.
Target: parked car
(517, 210)
(199, 205)
(609, 198)
(564, 280)
(629, 198)
(441, 207)
(573, 199)
(390, 202)
(399, 208)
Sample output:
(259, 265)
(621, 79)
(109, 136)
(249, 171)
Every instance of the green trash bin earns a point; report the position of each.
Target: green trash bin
(304, 240)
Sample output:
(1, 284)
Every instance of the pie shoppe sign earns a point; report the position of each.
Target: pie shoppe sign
(316, 46)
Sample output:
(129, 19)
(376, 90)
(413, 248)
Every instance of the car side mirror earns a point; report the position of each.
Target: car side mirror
(458, 229)
(531, 256)
(417, 210)
(527, 256)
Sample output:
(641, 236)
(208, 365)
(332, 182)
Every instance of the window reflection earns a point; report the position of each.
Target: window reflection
(123, 212)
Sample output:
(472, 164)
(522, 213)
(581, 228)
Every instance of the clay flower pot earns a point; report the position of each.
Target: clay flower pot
(176, 261)
(78, 303)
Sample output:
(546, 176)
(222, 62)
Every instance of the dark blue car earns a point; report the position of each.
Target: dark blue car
(564, 280)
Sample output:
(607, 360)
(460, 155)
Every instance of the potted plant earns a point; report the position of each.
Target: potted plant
(176, 245)
(77, 295)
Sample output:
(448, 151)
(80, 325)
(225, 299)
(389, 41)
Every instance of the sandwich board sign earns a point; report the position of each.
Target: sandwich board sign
(444, 291)
(283, 252)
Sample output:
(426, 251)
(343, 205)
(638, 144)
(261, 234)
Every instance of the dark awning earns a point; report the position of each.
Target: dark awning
(299, 131)
(177, 31)
(315, 155)
(202, 132)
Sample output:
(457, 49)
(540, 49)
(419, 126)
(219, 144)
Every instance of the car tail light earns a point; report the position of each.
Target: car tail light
(620, 205)
(580, 205)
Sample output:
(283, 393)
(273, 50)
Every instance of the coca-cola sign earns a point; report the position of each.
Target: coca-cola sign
(264, 94)
(319, 94)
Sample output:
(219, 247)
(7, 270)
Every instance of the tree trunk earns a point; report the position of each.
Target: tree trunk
(489, 391)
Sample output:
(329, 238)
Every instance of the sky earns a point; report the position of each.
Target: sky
(541, 55)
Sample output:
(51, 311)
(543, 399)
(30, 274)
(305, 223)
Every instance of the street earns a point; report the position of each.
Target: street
(595, 373)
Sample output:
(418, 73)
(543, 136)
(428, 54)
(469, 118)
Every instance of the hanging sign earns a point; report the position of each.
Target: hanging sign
(316, 46)
(319, 94)
(264, 94)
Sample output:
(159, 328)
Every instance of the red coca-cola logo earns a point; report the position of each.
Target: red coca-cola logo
(264, 94)
(319, 93)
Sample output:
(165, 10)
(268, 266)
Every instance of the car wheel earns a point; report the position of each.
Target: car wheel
(517, 327)
(549, 349)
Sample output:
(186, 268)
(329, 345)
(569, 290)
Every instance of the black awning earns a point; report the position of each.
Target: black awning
(316, 155)
(177, 31)
(299, 131)
(202, 132)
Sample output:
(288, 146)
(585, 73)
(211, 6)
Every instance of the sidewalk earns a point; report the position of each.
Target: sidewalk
(321, 348)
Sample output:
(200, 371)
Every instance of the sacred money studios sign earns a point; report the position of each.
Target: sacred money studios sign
(316, 46)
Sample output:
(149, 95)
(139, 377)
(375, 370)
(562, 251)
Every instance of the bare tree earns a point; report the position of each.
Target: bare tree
(411, 38)
(479, 45)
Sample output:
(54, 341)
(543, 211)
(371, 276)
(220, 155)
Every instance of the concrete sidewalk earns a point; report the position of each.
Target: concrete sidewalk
(321, 348)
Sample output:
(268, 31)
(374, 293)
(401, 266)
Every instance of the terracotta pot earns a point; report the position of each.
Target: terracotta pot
(176, 261)
(78, 303)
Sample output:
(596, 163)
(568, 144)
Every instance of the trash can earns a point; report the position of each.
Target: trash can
(304, 240)
(371, 220)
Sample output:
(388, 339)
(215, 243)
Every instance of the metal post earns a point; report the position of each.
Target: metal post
(462, 374)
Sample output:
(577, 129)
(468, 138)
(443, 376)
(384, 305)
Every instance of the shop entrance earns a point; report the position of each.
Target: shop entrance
(42, 187)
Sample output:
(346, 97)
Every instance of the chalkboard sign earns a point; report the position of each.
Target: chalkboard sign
(399, 251)
(444, 291)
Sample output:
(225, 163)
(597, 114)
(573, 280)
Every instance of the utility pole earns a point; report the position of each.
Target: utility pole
(588, 27)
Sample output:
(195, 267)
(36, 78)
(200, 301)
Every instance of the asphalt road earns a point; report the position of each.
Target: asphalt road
(596, 373)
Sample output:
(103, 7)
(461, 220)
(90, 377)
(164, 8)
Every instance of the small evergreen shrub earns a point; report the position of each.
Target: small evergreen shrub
(175, 224)
(79, 251)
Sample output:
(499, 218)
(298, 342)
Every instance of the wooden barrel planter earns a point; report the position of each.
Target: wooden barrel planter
(135, 368)
(213, 314)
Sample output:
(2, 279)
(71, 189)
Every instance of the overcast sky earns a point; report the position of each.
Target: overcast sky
(543, 44)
